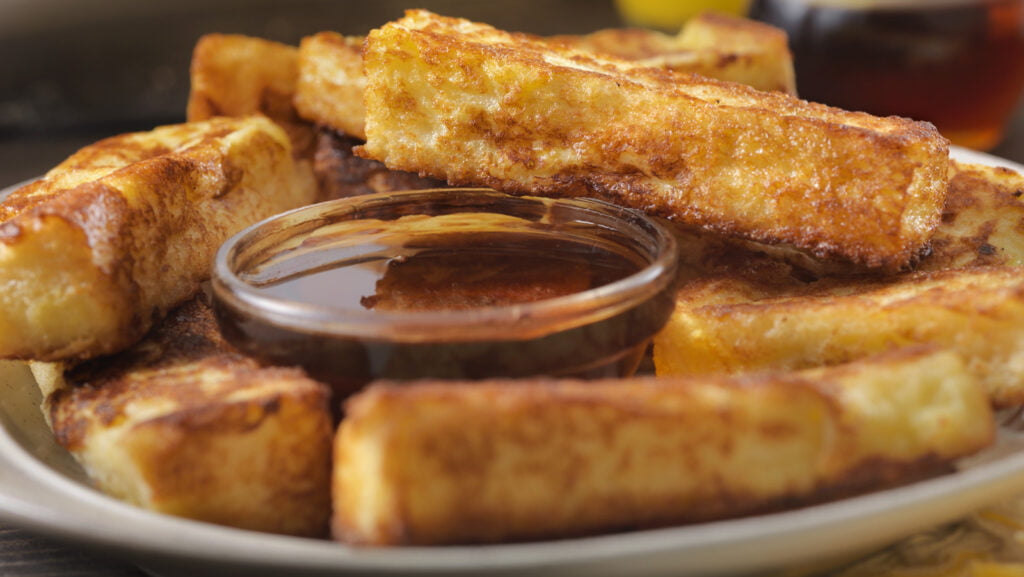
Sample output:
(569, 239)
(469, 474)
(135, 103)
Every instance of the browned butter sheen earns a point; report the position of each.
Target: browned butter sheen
(459, 271)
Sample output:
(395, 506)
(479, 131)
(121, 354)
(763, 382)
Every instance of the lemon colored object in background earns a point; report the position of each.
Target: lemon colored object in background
(671, 14)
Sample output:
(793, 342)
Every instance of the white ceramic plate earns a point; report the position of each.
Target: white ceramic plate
(43, 490)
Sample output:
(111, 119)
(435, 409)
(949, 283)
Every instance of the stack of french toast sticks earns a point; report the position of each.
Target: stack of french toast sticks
(850, 315)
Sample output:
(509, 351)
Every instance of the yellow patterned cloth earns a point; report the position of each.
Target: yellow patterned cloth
(989, 543)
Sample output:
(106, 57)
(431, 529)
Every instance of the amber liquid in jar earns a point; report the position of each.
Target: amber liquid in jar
(459, 271)
(456, 272)
(956, 63)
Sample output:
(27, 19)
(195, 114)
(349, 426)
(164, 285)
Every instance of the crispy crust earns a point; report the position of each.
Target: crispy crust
(183, 424)
(710, 44)
(982, 222)
(982, 225)
(444, 463)
(236, 75)
(125, 229)
(978, 312)
(331, 82)
(322, 81)
(462, 101)
(741, 307)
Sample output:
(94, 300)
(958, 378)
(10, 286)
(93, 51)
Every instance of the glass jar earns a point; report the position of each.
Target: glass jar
(958, 64)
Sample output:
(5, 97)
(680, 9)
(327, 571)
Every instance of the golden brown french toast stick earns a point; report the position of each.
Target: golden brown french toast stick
(981, 226)
(445, 463)
(126, 229)
(237, 75)
(979, 312)
(331, 80)
(710, 44)
(982, 222)
(183, 424)
(463, 101)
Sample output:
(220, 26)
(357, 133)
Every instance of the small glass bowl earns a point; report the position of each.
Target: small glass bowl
(599, 331)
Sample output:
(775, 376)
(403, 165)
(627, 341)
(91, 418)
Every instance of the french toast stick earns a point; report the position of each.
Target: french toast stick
(979, 312)
(331, 82)
(183, 424)
(237, 75)
(449, 463)
(710, 44)
(125, 229)
(981, 225)
(982, 220)
(458, 100)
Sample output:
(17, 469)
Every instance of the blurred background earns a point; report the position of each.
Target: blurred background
(73, 71)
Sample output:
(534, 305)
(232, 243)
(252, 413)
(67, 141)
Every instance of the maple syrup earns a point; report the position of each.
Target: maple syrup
(420, 286)
(958, 64)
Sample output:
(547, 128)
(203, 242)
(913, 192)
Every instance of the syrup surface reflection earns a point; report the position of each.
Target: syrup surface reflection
(461, 295)
(456, 271)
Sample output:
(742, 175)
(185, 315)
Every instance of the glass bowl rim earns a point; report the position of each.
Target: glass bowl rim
(532, 319)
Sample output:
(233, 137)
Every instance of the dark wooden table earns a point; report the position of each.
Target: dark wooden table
(23, 156)
(25, 554)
